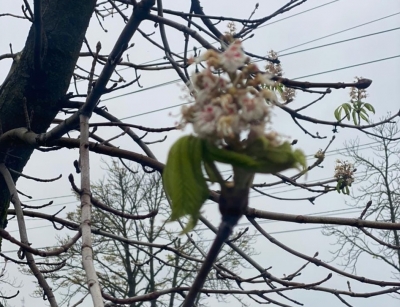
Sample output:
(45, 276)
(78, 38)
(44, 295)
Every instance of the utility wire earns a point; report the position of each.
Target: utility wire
(310, 156)
(347, 67)
(253, 195)
(339, 42)
(332, 213)
(258, 60)
(314, 40)
(288, 17)
(342, 31)
(302, 44)
(297, 78)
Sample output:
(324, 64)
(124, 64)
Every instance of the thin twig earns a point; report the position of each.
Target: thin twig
(24, 236)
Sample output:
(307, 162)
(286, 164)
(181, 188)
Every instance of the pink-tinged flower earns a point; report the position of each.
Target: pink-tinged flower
(233, 57)
(265, 79)
(269, 95)
(206, 85)
(226, 103)
(204, 80)
(205, 121)
(228, 126)
(188, 113)
(209, 54)
(253, 108)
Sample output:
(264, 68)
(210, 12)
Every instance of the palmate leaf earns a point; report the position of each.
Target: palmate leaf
(369, 107)
(338, 113)
(259, 157)
(183, 179)
(347, 109)
(274, 159)
(214, 153)
(354, 114)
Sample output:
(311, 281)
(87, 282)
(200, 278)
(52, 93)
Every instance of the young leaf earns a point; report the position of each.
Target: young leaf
(347, 109)
(365, 112)
(279, 88)
(355, 117)
(338, 187)
(214, 153)
(338, 112)
(259, 157)
(276, 159)
(364, 117)
(358, 104)
(369, 107)
(183, 179)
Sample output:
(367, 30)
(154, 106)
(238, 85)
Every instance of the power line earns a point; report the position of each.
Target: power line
(251, 196)
(332, 212)
(347, 67)
(217, 42)
(337, 212)
(297, 78)
(49, 198)
(342, 31)
(297, 14)
(361, 147)
(339, 42)
(258, 60)
(209, 240)
(302, 44)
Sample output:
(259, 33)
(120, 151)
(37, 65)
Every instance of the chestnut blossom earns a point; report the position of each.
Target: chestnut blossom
(269, 95)
(228, 106)
(205, 120)
(344, 171)
(253, 108)
(266, 79)
(228, 126)
(233, 57)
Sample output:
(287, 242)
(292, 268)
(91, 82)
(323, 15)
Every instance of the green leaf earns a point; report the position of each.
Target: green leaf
(355, 117)
(338, 112)
(183, 179)
(347, 109)
(338, 187)
(347, 106)
(347, 191)
(214, 153)
(279, 87)
(259, 157)
(369, 107)
(363, 111)
(364, 117)
(281, 157)
(358, 104)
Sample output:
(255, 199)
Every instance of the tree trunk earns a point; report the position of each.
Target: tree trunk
(64, 27)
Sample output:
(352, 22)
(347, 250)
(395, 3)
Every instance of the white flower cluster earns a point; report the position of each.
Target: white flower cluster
(344, 171)
(226, 107)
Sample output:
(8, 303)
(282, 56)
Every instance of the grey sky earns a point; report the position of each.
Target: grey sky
(331, 18)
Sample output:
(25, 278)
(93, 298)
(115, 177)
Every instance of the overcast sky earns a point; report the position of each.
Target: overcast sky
(155, 105)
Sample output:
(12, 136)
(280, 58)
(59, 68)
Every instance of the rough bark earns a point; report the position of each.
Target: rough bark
(64, 27)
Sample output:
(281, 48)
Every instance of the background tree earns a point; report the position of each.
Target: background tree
(128, 270)
(378, 184)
